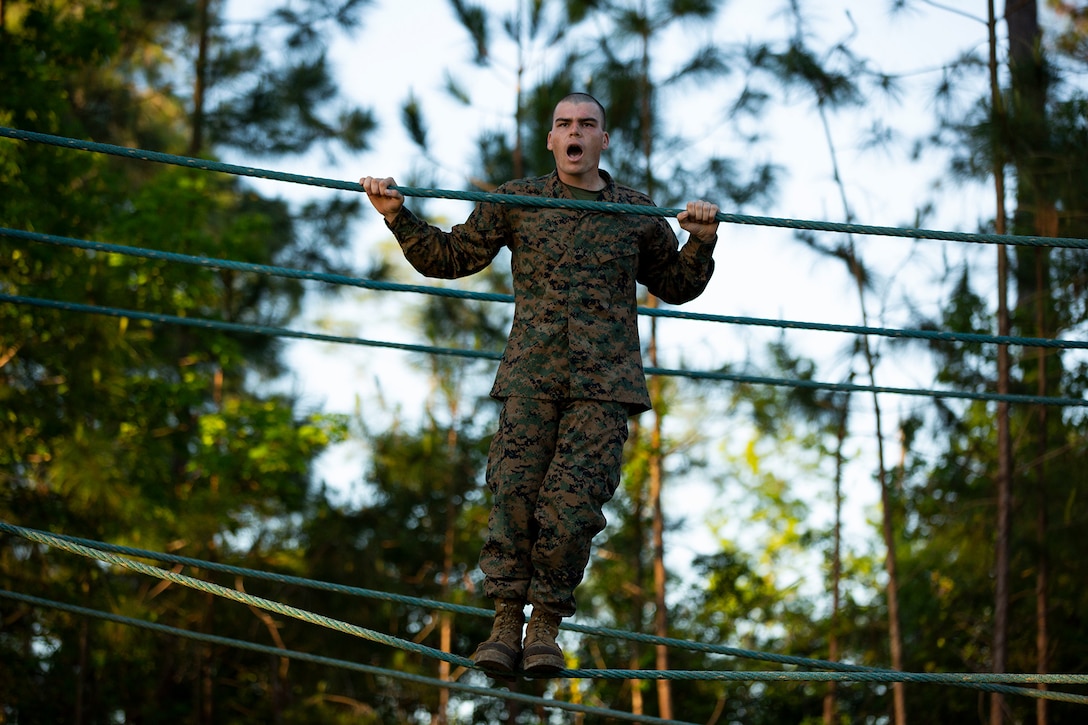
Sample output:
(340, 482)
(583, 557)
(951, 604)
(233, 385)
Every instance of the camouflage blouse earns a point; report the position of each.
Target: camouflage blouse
(575, 331)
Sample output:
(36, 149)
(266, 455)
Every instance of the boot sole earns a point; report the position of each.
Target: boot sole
(496, 657)
(538, 663)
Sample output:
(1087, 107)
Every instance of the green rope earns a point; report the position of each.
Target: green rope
(702, 647)
(539, 202)
(940, 678)
(264, 269)
(291, 273)
(489, 355)
(881, 675)
(244, 328)
(342, 664)
(242, 597)
(645, 210)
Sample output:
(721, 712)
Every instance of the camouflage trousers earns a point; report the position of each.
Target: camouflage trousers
(552, 466)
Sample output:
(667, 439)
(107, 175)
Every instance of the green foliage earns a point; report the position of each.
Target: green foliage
(474, 19)
(947, 565)
(172, 439)
(125, 431)
(419, 534)
(636, 85)
(282, 102)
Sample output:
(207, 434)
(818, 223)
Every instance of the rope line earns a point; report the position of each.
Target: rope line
(404, 599)
(491, 355)
(343, 664)
(805, 224)
(242, 597)
(851, 675)
(937, 678)
(339, 279)
(844, 673)
(539, 202)
(246, 328)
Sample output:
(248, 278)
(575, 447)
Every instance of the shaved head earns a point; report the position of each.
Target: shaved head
(582, 98)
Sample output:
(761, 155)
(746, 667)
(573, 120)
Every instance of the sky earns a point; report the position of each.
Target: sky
(409, 47)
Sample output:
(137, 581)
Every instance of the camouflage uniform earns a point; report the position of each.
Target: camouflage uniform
(572, 369)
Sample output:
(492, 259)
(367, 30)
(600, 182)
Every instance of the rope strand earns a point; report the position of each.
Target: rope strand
(342, 664)
(985, 681)
(540, 202)
(491, 355)
(841, 672)
(339, 279)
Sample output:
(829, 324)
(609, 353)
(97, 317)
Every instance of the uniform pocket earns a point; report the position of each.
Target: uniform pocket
(602, 254)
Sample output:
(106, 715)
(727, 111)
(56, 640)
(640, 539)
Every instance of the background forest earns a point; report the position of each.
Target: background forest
(928, 534)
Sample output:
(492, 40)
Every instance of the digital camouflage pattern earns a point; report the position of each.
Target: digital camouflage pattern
(571, 372)
(554, 465)
(575, 330)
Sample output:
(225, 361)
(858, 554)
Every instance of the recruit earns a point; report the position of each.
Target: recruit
(571, 374)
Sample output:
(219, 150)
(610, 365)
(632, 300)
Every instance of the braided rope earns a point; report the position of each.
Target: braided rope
(844, 672)
(343, 664)
(539, 202)
(242, 597)
(490, 355)
(404, 599)
(592, 206)
(292, 273)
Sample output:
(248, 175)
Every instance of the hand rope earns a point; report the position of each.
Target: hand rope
(540, 202)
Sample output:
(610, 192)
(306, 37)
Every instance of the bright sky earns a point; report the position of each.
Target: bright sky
(762, 272)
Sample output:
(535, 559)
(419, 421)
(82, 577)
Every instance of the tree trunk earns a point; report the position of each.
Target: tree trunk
(891, 566)
(638, 602)
(1045, 225)
(895, 637)
(1042, 566)
(661, 613)
(656, 463)
(1034, 214)
(831, 704)
(1004, 442)
(196, 141)
(445, 623)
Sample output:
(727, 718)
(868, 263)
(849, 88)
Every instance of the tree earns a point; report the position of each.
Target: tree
(123, 431)
(447, 322)
(834, 81)
(1024, 126)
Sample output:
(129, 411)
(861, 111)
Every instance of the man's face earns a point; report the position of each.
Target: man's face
(577, 140)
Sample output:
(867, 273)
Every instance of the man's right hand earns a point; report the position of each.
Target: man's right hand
(387, 201)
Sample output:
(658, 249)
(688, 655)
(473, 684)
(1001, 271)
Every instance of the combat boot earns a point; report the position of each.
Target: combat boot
(502, 650)
(542, 655)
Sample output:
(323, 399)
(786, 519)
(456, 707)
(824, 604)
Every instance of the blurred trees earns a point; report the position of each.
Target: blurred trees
(124, 431)
(1028, 132)
(173, 439)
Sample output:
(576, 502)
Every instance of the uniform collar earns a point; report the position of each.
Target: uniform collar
(558, 189)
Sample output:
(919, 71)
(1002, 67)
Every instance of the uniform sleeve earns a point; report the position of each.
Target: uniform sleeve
(673, 274)
(465, 249)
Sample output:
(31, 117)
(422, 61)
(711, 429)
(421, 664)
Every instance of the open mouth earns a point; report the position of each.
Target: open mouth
(574, 152)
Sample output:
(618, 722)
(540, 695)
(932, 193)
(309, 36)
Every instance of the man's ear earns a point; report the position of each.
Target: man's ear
(549, 140)
(604, 141)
